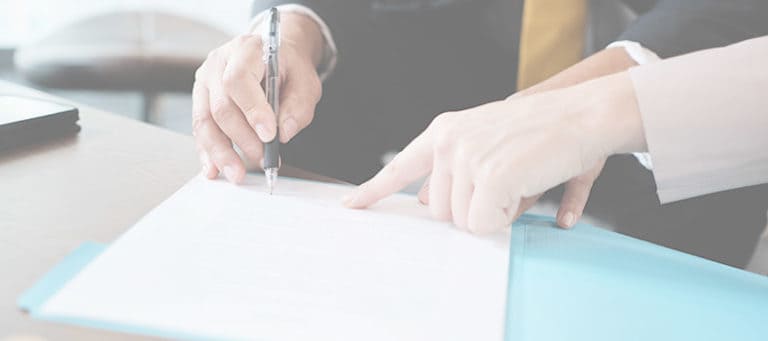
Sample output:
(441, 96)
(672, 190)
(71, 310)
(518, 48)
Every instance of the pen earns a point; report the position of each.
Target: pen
(272, 89)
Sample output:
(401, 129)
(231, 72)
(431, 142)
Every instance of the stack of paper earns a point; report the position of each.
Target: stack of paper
(226, 262)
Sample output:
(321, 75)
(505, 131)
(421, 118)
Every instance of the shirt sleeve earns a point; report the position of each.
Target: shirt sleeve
(330, 52)
(641, 56)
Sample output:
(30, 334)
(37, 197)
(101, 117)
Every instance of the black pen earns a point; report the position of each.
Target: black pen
(272, 90)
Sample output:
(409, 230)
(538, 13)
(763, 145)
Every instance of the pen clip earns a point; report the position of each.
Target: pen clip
(271, 35)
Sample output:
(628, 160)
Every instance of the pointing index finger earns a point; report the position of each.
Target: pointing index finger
(414, 162)
(242, 81)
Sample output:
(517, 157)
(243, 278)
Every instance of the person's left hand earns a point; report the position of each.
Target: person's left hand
(488, 162)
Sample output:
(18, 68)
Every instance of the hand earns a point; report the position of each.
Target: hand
(572, 204)
(485, 161)
(229, 105)
(577, 189)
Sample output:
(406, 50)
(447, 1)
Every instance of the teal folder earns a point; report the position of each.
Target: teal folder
(581, 284)
(594, 284)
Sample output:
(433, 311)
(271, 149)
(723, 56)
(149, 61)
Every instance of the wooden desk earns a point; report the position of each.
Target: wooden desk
(91, 187)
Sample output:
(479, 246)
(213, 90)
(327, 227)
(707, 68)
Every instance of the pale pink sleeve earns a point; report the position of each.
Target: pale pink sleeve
(706, 119)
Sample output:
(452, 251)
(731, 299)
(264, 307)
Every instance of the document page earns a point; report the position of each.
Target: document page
(233, 262)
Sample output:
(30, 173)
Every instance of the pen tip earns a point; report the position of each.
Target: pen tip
(271, 175)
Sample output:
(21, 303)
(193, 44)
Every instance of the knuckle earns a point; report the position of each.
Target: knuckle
(232, 77)
(581, 181)
(487, 172)
(199, 122)
(293, 100)
(440, 121)
(220, 108)
(200, 72)
(444, 143)
(461, 150)
(252, 113)
(198, 85)
(253, 41)
(220, 151)
(242, 39)
(475, 227)
(393, 167)
(393, 170)
(254, 116)
(218, 154)
(213, 54)
(316, 88)
(301, 108)
(442, 126)
(303, 118)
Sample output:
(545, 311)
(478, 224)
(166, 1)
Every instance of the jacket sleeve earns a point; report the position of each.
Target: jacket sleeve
(341, 16)
(675, 27)
(705, 119)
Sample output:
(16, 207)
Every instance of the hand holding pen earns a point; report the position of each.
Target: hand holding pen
(230, 105)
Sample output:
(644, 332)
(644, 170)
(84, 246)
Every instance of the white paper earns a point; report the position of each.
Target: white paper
(222, 261)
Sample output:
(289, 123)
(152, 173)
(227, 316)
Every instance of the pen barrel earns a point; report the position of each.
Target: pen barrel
(272, 89)
(272, 154)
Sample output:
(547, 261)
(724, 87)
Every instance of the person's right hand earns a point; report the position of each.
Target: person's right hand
(228, 102)
(577, 189)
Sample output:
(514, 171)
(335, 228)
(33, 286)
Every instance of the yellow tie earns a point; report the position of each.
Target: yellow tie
(552, 38)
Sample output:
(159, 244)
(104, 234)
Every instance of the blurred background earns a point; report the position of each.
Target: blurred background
(132, 57)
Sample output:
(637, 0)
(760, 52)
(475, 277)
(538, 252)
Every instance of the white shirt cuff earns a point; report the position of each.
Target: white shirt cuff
(641, 56)
(330, 53)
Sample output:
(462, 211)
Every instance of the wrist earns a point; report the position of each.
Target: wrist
(612, 117)
(303, 34)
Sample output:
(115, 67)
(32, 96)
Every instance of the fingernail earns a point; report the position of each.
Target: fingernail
(289, 129)
(569, 219)
(229, 173)
(264, 133)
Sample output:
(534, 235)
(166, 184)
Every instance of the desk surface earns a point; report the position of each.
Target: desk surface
(91, 187)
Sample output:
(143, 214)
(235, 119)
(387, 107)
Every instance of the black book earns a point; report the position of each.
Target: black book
(29, 120)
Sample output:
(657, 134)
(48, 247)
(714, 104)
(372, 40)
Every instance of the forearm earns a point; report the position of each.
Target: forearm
(605, 62)
(612, 117)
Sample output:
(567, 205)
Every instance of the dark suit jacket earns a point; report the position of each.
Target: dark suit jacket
(401, 62)
(668, 27)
